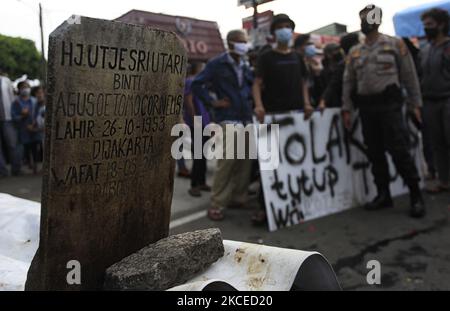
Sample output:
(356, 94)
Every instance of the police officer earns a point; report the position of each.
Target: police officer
(377, 70)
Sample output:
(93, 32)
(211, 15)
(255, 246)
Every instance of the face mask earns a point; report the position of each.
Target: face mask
(310, 50)
(240, 48)
(367, 28)
(283, 35)
(25, 92)
(431, 33)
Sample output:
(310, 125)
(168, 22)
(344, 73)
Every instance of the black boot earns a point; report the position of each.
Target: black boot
(381, 201)
(418, 209)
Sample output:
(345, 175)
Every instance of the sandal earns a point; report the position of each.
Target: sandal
(195, 192)
(216, 214)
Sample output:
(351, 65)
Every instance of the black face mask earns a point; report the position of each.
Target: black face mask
(367, 28)
(431, 33)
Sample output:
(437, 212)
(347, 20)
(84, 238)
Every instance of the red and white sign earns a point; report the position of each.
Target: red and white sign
(201, 39)
(264, 21)
(195, 46)
(260, 35)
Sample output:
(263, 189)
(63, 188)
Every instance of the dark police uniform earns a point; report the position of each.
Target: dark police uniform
(377, 73)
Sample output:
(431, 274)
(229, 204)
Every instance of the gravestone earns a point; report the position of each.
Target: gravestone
(114, 92)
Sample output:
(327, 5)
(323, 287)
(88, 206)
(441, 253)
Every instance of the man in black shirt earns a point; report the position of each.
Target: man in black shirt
(280, 83)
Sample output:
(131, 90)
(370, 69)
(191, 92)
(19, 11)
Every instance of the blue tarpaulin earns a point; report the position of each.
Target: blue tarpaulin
(407, 23)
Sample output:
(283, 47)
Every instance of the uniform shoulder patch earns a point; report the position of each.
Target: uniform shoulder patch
(401, 45)
(355, 52)
(348, 60)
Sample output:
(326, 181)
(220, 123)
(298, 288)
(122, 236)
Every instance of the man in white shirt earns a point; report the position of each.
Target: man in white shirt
(8, 132)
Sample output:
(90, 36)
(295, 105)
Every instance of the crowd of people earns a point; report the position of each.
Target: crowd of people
(22, 115)
(369, 72)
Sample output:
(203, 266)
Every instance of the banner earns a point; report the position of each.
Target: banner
(323, 169)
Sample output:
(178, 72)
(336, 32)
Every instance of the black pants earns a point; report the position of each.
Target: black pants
(198, 172)
(384, 129)
(31, 151)
(437, 119)
(427, 140)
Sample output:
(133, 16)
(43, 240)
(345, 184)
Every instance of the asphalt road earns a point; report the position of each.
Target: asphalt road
(414, 254)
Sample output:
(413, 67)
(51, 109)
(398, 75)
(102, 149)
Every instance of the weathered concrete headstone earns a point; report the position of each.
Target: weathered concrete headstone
(115, 91)
(167, 263)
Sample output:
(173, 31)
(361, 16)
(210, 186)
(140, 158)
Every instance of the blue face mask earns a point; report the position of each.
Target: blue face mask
(310, 51)
(283, 35)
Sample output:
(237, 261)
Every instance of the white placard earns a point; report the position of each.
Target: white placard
(323, 170)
